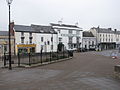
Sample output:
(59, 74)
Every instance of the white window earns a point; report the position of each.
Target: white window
(78, 32)
(22, 34)
(22, 40)
(60, 39)
(22, 37)
(70, 31)
(30, 40)
(30, 34)
(58, 30)
(42, 39)
(70, 39)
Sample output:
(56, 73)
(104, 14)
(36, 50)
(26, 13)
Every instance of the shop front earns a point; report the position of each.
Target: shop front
(26, 48)
(107, 46)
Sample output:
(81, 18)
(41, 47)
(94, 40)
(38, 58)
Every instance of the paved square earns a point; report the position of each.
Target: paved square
(86, 71)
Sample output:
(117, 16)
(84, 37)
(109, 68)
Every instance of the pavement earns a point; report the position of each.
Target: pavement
(85, 71)
(108, 53)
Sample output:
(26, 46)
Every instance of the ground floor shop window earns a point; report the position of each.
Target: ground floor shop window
(26, 50)
(70, 46)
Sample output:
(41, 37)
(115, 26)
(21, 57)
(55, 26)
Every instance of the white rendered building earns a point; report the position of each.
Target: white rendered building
(106, 37)
(69, 35)
(88, 41)
(35, 38)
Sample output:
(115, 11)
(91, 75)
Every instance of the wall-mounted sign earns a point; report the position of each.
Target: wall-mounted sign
(26, 45)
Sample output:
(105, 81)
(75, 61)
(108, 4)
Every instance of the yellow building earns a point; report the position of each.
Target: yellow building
(4, 43)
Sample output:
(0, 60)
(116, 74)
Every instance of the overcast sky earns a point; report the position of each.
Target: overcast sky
(88, 13)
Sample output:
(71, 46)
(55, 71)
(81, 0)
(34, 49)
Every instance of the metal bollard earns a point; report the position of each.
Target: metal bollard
(41, 56)
(4, 60)
(50, 56)
(29, 60)
(18, 60)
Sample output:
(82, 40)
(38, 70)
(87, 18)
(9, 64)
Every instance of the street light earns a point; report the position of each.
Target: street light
(9, 3)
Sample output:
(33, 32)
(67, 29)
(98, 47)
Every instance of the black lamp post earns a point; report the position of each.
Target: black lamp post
(10, 66)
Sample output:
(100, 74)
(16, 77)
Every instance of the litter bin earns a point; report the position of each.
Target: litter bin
(6, 57)
(70, 53)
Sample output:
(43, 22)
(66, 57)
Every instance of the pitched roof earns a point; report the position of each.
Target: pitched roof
(117, 32)
(103, 30)
(23, 28)
(4, 33)
(64, 25)
(87, 34)
(43, 29)
(34, 28)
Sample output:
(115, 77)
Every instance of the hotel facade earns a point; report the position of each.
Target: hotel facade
(69, 35)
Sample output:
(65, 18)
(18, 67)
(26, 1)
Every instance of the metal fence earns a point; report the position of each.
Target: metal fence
(35, 58)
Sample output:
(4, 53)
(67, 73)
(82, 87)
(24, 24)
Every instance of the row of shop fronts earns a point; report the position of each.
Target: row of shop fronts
(26, 48)
(107, 46)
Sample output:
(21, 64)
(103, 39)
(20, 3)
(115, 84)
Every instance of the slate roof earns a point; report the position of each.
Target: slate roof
(43, 29)
(34, 28)
(87, 34)
(117, 32)
(4, 33)
(104, 30)
(22, 28)
(64, 25)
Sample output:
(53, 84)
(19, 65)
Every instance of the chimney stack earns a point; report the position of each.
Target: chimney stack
(110, 28)
(115, 30)
(60, 22)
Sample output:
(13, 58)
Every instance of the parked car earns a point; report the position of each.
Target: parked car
(81, 50)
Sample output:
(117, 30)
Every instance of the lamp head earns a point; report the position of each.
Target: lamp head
(9, 1)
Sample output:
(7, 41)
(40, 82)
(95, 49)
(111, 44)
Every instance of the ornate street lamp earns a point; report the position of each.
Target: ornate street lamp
(10, 66)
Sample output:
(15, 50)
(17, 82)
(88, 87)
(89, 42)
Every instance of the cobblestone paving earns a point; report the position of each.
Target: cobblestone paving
(86, 71)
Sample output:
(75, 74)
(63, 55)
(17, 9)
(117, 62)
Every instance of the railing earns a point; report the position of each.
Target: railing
(36, 58)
